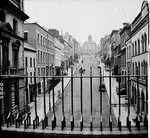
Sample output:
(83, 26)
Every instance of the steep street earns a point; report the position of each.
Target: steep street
(88, 61)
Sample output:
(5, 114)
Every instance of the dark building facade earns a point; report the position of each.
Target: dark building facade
(12, 17)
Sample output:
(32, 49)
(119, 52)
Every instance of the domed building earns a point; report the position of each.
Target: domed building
(89, 47)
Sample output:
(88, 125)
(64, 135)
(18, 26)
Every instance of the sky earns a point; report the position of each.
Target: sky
(82, 17)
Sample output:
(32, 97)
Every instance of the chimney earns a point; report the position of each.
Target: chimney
(125, 24)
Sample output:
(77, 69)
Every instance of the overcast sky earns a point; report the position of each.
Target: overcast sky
(83, 17)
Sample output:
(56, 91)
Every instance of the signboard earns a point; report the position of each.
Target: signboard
(1, 90)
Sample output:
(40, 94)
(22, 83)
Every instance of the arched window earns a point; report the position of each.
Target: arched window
(15, 26)
(132, 49)
(145, 41)
(142, 41)
(133, 69)
(142, 69)
(138, 68)
(135, 48)
(2, 16)
(138, 46)
(146, 69)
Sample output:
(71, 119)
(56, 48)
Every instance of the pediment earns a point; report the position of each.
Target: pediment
(6, 26)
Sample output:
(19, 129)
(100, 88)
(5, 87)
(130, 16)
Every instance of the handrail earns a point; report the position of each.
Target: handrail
(77, 76)
(9, 114)
(25, 117)
(101, 95)
(17, 116)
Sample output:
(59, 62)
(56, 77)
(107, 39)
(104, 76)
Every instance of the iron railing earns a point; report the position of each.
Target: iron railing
(25, 119)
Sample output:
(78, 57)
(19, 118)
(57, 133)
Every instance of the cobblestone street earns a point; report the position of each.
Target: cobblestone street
(88, 61)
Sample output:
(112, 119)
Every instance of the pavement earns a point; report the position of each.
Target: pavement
(115, 100)
(58, 90)
(49, 103)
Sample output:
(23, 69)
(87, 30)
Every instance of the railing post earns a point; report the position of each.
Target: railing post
(63, 122)
(101, 124)
(36, 121)
(49, 92)
(137, 117)
(145, 117)
(119, 121)
(81, 121)
(1, 98)
(128, 117)
(26, 85)
(91, 120)
(54, 117)
(72, 116)
(45, 117)
(110, 117)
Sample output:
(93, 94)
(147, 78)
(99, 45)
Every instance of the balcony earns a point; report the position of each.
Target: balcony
(83, 124)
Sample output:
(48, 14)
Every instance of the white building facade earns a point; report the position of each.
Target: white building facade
(140, 40)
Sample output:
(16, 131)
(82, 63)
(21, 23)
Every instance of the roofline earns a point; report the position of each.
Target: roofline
(40, 27)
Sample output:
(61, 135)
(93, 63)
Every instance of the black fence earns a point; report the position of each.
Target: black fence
(21, 117)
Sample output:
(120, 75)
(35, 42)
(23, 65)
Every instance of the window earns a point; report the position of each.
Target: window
(41, 40)
(135, 49)
(139, 68)
(39, 71)
(30, 62)
(138, 46)
(15, 57)
(38, 56)
(5, 59)
(2, 16)
(132, 49)
(127, 52)
(145, 41)
(34, 62)
(31, 77)
(146, 69)
(26, 36)
(142, 41)
(136, 68)
(133, 68)
(41, 57)
(38, 38)
(15, 26)
(43, 71)
(44, 57)
(26, 62)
